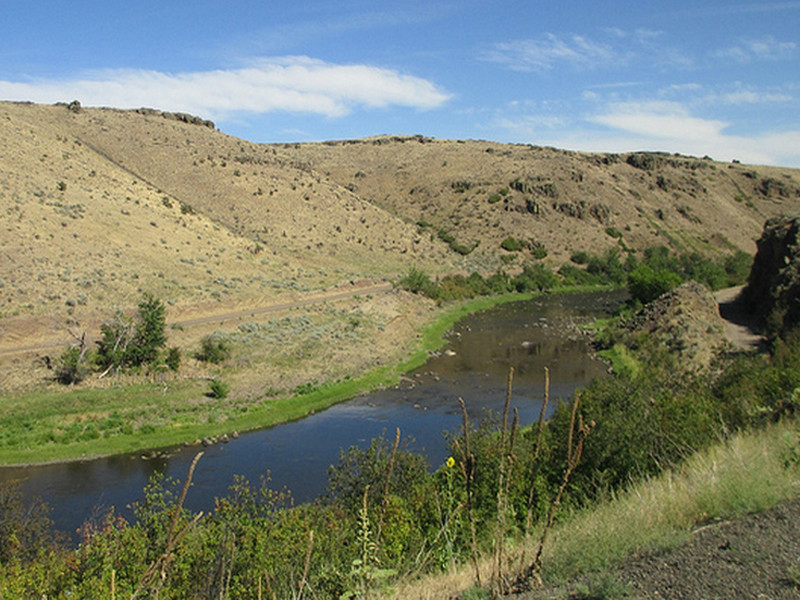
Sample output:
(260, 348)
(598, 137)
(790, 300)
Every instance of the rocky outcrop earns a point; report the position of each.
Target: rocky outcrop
(685, 321)
(773, 287)
(177, 116)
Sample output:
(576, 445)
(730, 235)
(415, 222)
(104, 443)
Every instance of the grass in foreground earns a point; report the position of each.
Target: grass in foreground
(749, 473)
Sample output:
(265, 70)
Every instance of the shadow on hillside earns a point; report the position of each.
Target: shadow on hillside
(744, 330)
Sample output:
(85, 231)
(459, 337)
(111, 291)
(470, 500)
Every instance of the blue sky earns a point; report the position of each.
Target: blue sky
(696, 77)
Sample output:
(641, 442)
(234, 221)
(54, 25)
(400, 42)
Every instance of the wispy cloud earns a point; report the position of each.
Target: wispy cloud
(334, 20)
(660, 120)
(665, 125)
(550, 51)
(290, 84)
(767, 48)
(735, 94)
(621, 48)
(671, 127)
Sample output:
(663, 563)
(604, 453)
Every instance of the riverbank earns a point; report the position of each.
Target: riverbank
(129, 416)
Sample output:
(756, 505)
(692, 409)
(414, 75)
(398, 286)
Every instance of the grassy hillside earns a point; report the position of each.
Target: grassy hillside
(98, 204)
(484, 192)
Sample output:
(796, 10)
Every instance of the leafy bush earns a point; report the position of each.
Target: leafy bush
(218, 389)
(214, 348)
(150, 333)
(25, 531)
(535, 278)
(128, 342)
(511, 244)
(737, 267)
(173, 358)
(71, 366)
(538, 250)
(359, 468)
(645, 284)
(580, 258)
(418, 282)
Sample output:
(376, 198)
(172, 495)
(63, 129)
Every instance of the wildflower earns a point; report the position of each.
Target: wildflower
(450, 462)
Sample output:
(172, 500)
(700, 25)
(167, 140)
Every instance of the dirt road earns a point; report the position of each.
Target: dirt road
(740, 328)
(218, 313)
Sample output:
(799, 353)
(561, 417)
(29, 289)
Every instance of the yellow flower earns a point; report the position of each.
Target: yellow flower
(450, 462)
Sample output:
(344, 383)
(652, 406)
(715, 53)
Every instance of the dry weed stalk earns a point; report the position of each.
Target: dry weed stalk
(306, 566)
(386, 483)
(157, 571)
(506, 457)
(468, 471)
(535, 451)
(533, 573)
(422, 560)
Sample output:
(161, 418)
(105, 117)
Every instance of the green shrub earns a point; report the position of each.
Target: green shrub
(214, 348)
(609, 267)
(737, 266)
(173, 358)
(511, 244)
(361, 467)
(446, 236)
(533, 278)
(218, 389)
(418, 282)
(538, 250)
(646, 284)
(580, 258)
(133, 342)
(71, 366)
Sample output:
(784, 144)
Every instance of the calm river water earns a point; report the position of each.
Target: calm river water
(474, 364)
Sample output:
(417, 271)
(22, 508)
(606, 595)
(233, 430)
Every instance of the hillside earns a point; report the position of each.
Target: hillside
(98, 206)
(564, 201)
(100, 203)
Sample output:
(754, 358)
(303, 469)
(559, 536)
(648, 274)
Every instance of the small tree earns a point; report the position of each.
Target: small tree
(112, 348)
(173, 359)
(129, 342)
(150, 334)
(71, 367)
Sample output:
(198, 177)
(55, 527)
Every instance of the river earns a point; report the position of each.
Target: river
(474, 365)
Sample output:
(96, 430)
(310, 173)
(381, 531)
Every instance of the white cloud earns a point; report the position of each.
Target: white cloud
(745, 96)
(664, 126)
(660, 120)
(735, 94)
(621, 49)
(293, 84)
(546, 53)
(670, 127)
(767, 48)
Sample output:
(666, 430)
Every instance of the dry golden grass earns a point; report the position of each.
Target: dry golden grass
(695, 203)
(746, 474)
